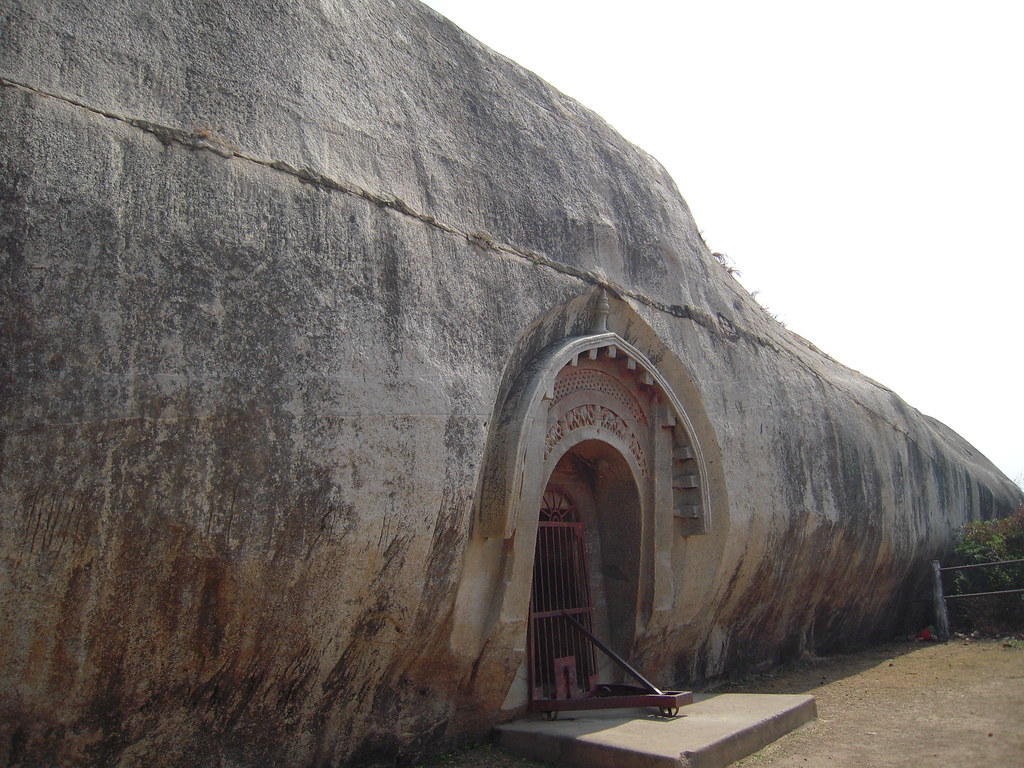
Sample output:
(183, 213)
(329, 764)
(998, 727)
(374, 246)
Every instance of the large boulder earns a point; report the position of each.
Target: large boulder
(300, 304)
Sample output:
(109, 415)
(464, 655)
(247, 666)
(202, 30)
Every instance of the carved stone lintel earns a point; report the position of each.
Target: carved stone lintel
(592, 415)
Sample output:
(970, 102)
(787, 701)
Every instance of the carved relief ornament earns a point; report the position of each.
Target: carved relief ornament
(525, 436)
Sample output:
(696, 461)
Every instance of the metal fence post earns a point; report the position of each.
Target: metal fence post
(941, 614)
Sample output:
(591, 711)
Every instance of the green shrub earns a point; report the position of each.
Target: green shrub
(985, 542)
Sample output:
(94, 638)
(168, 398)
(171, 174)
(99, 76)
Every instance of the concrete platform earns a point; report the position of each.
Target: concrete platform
(713, 732)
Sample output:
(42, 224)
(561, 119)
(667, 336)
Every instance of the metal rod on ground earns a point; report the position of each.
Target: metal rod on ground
(941, 613)
(614, 656)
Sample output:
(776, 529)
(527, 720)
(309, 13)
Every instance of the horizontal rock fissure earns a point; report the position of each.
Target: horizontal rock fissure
(204, 140)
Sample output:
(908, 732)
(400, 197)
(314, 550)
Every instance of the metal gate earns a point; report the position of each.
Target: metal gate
(562, 643)
(563, 664)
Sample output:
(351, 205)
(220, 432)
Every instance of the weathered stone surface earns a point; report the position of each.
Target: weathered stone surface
(268, 276)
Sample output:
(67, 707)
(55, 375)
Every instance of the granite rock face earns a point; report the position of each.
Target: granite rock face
(269, 278)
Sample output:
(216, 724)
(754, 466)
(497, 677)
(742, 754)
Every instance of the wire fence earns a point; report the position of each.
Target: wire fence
(940, 598)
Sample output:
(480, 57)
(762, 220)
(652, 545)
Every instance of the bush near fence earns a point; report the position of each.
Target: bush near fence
(985, 542)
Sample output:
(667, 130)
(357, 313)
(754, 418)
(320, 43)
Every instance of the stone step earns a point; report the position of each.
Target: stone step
(713, 732)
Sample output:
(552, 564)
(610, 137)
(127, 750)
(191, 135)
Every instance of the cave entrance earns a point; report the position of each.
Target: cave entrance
(584, 595)
(592, 418)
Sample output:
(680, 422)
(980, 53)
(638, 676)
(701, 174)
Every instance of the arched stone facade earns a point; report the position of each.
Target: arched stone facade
(586, 397)
(593, 386)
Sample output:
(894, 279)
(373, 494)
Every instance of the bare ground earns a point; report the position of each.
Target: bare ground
(912, 705)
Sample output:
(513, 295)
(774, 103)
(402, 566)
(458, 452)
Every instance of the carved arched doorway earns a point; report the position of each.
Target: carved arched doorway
(583, 401)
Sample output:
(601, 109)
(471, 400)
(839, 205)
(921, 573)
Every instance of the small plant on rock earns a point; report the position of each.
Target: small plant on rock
(726, 263)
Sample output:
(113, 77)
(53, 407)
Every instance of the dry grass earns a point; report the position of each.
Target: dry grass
(902, 704)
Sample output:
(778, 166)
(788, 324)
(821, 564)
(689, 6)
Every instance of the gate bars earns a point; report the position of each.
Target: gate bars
(563, 646)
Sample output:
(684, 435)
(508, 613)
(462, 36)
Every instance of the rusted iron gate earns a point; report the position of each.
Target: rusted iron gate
(563, 647)
(941, 611)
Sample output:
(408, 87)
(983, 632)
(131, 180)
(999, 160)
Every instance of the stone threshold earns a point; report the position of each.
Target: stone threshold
(713, 732)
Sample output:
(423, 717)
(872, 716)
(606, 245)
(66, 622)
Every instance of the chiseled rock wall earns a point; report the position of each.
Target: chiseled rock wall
(265, 271)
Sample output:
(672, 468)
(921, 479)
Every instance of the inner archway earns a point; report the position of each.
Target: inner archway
(587, 563)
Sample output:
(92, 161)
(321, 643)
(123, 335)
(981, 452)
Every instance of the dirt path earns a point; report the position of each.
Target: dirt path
(956, 705)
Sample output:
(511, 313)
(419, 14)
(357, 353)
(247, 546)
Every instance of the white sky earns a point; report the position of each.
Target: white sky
(861, 163)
